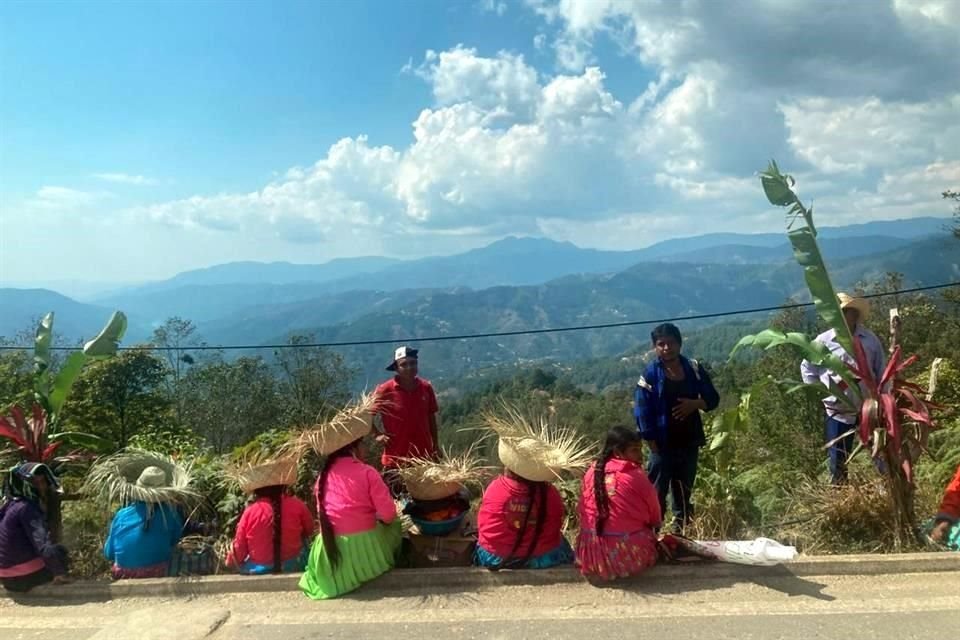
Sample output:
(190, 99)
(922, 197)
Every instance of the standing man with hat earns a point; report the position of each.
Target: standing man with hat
(408, 409)
(839, 419)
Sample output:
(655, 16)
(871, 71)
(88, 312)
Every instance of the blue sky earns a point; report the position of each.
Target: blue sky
(140, 139)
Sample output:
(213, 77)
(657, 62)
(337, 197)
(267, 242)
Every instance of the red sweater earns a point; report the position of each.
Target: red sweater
(950, 507)
(254, 539)
(633, 501)
(501, 516)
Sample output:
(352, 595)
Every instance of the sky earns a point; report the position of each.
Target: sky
(141, 139)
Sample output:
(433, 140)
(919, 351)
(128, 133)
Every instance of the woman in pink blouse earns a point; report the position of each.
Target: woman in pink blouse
(619, 511)
(359, 530)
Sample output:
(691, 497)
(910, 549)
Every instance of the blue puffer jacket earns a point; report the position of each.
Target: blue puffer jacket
(650, 407)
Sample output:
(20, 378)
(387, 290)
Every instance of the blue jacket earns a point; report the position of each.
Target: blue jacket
(132, 545)
(650, 407)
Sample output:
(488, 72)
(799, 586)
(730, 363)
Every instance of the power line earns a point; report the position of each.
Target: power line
(500, 334)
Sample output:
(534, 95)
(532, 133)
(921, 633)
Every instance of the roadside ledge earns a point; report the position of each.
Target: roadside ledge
(403, 581)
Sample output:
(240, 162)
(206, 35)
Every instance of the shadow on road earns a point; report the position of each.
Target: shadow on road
(776, 578)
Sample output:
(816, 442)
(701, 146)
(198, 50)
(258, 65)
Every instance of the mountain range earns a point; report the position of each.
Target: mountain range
(512, 284)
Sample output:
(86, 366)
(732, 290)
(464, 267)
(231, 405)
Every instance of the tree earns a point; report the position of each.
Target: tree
(16, 379)
(314, 382)
(175, 337)
(954, 195)
(116, 398)
(228, 403)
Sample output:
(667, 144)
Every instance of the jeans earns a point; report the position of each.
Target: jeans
(674, 471)
(840, 450)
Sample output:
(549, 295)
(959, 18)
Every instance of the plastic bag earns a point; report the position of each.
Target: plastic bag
(759, 552)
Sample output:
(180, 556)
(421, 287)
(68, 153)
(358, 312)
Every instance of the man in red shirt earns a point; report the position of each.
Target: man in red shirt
(408, 411)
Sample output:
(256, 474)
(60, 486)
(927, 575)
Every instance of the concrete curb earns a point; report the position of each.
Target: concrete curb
(404, 581)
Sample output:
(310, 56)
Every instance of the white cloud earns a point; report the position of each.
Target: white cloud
(498, 7)
(64, 200)
(507, 149)
(126, 178)
(854, 135)
(504, 83)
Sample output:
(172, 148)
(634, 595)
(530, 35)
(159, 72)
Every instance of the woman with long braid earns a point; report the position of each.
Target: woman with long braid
(275, 530)
(521, 514)
(619, 511)
(360, 533)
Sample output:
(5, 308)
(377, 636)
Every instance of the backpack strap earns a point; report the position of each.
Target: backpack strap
(696, 368)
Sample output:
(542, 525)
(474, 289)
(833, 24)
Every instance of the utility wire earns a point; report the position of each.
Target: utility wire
(499, 334)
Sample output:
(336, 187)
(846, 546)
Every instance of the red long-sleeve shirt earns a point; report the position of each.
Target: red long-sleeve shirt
(950, 507)
(254, 539)
(501, 515)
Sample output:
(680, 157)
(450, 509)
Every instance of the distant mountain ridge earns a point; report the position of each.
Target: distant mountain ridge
(260, 312)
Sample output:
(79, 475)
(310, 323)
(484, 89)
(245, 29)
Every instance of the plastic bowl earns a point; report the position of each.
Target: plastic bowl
(438, 527)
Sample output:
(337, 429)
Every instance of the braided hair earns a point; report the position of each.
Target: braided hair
(537, 493)
(275, 495)
(619, 438)
(326, 529)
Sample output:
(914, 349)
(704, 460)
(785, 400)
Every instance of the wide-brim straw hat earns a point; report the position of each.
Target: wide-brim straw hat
(535, 449)
(250, 475)
(115, 479)
(435, 479)
(349, 425)
(849, 302)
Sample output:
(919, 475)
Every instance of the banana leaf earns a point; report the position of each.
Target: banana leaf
(108, 340)
(779, 189)
(42, 343)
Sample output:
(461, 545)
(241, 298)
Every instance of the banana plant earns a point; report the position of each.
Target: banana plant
(39, 437)
(51, 389)
(894, 419)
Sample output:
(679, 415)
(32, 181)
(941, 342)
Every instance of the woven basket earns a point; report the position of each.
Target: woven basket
(282, 471)
(432, 490)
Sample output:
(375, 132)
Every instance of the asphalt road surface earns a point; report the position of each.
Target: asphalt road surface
(923, 605)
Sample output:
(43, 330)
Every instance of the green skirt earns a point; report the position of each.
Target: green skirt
(363, 557)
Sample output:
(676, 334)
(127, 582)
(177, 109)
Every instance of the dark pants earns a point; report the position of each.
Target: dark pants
(840, 450)
(674, 471)
(27, 582)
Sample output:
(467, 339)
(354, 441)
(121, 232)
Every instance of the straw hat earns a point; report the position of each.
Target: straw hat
(152, 478)
(140, 476)
(849, 302)
(251, 475)
(428, 479)
(534, 449)
(349, 425)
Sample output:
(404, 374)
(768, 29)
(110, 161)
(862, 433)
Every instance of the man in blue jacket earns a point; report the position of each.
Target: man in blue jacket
(667, 404)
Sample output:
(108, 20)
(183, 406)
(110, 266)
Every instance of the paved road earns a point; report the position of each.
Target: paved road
(902, 606)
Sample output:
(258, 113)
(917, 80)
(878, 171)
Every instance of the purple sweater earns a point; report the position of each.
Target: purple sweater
(25, 545)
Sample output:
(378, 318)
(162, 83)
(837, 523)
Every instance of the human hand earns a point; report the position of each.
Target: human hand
(382, 438)
(939, 532)
(685, 407)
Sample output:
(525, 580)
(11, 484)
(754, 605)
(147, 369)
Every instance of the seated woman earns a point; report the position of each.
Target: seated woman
(28, 558)
(521, 513)
(145, 533)
(946, 526)
(619, 511)
(265, 543)
(360, 532)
